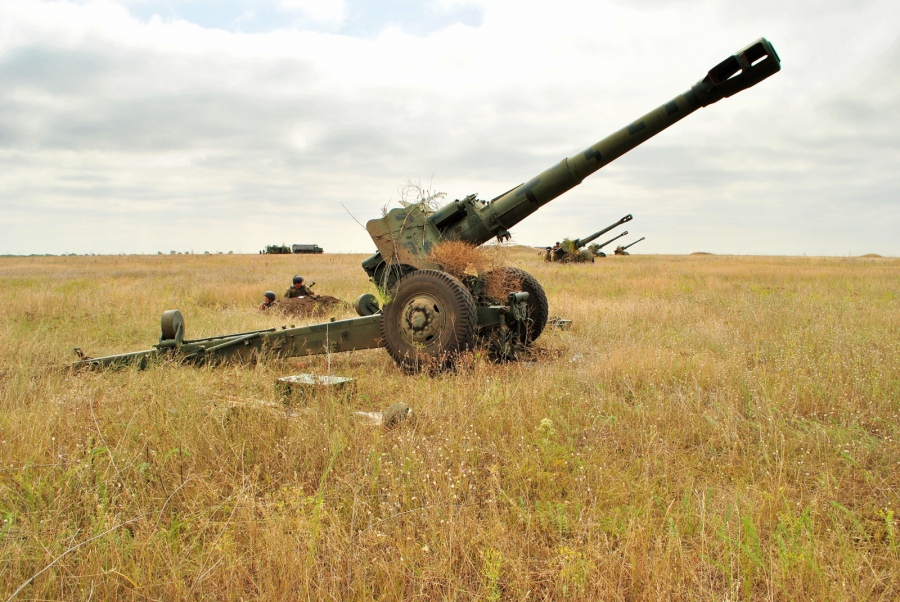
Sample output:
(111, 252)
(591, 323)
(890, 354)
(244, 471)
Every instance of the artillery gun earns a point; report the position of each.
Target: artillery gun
(431, 315)
(595, 249)
(620, 250)
(573, 251)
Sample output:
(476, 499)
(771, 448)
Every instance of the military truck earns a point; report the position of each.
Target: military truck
(307, 249)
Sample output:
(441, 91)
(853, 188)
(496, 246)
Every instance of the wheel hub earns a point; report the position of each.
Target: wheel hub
(422, 319)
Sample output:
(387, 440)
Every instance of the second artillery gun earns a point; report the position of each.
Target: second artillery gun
(595, 249)
(620, 250)
(573, 251)
(431, 315)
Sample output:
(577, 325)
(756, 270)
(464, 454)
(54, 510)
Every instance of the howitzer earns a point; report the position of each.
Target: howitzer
(634, 243)
(581, 242)
(620, 250)
(570, 251)
(431, 315)
(595, 249)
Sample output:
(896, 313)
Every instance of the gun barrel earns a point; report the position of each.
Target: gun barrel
(634, 243)
(580, 242)
(405, 235)
(744, 69)
(625, 233)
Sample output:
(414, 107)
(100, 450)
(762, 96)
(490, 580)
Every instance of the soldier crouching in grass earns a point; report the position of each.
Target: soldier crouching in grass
(268, 301)
(298, 289)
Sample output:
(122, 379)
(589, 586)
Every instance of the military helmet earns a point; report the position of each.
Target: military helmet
(298, 279)
(269, 295)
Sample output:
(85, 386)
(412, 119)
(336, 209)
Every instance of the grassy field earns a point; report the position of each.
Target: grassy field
(711, 428)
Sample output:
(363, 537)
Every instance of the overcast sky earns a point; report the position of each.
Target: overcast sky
(140, 126)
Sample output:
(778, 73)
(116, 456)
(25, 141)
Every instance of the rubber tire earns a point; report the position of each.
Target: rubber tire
(366, 305)
(538, 307)
(457, 310)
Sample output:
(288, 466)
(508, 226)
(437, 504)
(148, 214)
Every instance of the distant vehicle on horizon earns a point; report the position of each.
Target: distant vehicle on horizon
(286, 250)
(307, 249)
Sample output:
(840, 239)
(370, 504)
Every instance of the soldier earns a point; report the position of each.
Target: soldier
(298, 289)
(557, 251)
(268, 301)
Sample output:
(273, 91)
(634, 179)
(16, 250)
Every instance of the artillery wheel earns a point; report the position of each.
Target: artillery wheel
(367, 305)
(515, 280)
(431, 318)
(170, 323)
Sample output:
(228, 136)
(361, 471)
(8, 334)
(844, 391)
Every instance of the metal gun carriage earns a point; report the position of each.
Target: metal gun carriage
(432, 316)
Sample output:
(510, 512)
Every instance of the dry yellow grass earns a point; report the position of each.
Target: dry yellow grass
(711, 428)
(461, 259)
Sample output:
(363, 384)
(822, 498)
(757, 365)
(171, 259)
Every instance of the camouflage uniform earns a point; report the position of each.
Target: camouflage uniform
(264, 306)
(293, 292)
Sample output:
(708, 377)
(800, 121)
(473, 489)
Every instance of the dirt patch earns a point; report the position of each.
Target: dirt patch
(870, 255)
(319, 305)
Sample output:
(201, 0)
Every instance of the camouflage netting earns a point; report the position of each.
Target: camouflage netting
(461, 259)
(311, 306)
